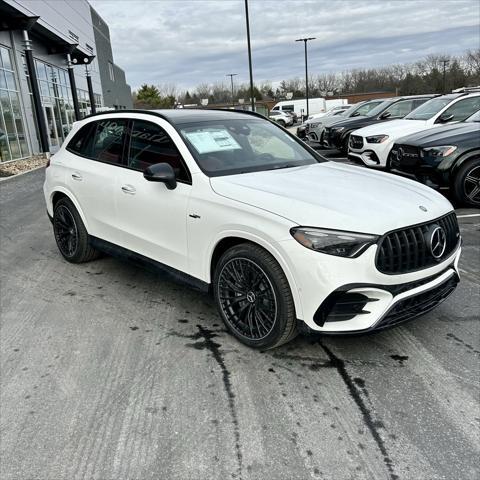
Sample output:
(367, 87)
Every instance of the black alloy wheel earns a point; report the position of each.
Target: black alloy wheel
(253, 297)
(247, 298)
(70, 233)
(66, 231)
(466, 183)
(471, 185)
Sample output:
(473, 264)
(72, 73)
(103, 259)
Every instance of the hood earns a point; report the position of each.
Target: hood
(444, 135)
(332, 195)
(352, 122)
(393, 128)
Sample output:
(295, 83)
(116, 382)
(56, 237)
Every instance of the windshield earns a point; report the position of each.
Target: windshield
(379, 108)
(428, 109)
(474, 118)
(228, 147)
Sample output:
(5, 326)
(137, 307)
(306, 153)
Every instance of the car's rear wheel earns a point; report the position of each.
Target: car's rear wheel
(70, 233)
(254, 298)
(466, 185)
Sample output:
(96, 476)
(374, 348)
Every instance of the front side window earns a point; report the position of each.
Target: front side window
(365, 108)
(150, 144)
(108, 140)
(400, 109)
(462, 109)
(228, 147)
(288, 108)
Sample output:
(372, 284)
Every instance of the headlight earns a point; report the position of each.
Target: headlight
(338, 129)
(333, 242)
(377, 138)
(443, 151)
(314, 125)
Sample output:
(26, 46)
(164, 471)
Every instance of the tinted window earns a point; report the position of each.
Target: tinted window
(109, 140)
(150, 144)
(80, 143)
(400, 109)
(463, 109)
(288, 108)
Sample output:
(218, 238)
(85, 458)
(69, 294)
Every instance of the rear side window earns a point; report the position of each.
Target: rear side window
(81, 141)
(150, 144)
(108, 141)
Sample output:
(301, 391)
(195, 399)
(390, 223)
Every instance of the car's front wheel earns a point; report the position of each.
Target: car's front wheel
(70, 233)
(254, 298)
(467, 183)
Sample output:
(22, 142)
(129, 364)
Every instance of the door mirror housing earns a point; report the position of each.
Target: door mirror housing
(161, 172)
(445, 117)
(385, 115)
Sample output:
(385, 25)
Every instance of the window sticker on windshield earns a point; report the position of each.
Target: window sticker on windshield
(212, 141)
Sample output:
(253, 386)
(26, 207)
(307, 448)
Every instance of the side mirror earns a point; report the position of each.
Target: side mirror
(356, 114)
(385, 115)
(161, 172)
(444, 118)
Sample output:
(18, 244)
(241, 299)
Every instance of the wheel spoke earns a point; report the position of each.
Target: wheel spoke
(247, 298)
(474, 193)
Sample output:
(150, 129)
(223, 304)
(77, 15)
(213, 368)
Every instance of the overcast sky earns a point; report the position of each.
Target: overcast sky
(187, 42)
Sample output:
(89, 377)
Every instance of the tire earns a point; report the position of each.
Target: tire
(253, 297)
(70, 233)
(281, 123)
(466, 185)
(344, 146)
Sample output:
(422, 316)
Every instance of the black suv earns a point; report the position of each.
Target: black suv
(443, 157)
(394, 108)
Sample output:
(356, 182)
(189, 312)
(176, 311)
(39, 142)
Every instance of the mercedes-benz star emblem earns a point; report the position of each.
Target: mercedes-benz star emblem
(437, 241)
(422, 208)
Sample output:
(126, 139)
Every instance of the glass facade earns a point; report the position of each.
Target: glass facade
(56, 95)
(13, 141)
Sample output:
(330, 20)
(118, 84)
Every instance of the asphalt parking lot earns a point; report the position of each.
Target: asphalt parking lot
(109, 371)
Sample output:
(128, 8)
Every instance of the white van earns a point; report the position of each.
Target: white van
(315, 105)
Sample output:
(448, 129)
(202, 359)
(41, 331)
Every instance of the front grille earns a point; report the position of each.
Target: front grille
(404, 155)
(416, 305)
(356, 141)
(409, 249)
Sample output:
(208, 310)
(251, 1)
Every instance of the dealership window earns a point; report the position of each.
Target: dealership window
(13, 142)
(111, 71)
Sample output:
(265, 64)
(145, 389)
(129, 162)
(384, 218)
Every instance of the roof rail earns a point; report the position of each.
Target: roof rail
(467, 90)
(132, 110)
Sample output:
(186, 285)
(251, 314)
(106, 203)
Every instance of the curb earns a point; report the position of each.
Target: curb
(4, 179)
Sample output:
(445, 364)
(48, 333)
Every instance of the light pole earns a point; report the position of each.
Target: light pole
(252, 98)
(231, 75)
(305, 40)
(445, 62)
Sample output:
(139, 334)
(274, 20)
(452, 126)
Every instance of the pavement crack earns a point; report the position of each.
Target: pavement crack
(369, 421)
(217, 354)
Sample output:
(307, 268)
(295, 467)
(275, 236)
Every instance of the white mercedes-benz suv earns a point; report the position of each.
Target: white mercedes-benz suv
(373, 144)
(235, 204)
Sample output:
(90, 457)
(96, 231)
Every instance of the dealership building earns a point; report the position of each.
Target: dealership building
(56, 66)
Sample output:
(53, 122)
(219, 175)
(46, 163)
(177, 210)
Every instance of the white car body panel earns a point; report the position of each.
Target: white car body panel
(260, 207)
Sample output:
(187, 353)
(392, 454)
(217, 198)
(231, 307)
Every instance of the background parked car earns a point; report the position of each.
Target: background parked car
(446, 156)
(282, 118)
(372, 144)
(391, 108)
(338, 110)
(315, 128)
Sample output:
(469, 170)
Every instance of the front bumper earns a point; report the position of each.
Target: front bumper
(372, 154)
(373, 300)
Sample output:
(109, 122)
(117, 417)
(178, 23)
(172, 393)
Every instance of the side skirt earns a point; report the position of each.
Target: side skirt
(149, 264)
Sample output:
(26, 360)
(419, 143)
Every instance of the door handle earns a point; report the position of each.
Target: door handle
(129, 189)
(77, 176)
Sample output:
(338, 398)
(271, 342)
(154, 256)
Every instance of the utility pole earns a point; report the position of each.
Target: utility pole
(252, 98)
(231, 75)
(305, 40)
